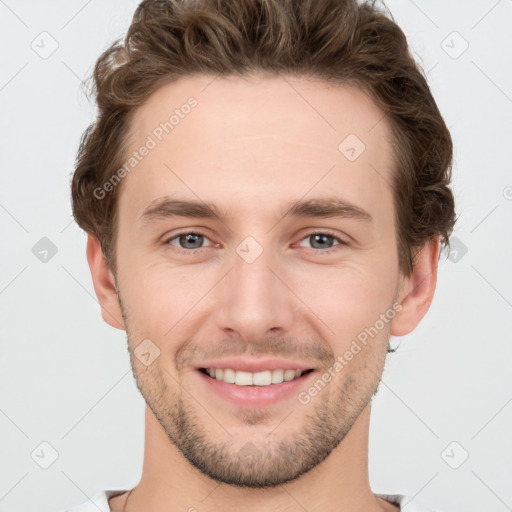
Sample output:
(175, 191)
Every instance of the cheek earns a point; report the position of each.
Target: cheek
(349, 299)
(162, 298)
(151, 293)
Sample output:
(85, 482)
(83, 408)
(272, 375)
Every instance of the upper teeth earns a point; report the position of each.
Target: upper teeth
(264, 378)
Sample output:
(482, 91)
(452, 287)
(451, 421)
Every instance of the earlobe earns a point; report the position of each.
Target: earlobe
(104, 284)
(417, 290)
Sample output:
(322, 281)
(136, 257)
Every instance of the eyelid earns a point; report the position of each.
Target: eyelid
(325, 231)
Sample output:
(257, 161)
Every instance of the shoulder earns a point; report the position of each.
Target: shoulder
(405, 502)
(98, 503)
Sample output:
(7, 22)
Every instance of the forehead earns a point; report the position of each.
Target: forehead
(291, 108)
(243, 136)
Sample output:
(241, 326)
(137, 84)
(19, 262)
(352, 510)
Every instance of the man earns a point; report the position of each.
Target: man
(265, 192)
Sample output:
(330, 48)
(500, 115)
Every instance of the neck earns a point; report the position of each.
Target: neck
(169, 482)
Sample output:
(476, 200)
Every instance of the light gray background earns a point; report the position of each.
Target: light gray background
(65, 377)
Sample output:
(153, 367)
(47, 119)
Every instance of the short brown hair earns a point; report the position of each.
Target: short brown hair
(336, 40)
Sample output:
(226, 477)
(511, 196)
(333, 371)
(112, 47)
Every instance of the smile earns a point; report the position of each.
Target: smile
(263, 378)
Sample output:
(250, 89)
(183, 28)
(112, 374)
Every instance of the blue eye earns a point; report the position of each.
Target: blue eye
(188, 241)
(323, 241)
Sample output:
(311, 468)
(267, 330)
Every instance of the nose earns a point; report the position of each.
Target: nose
(254, 300)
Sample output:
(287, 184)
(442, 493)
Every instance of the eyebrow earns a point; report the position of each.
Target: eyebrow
(165, 207)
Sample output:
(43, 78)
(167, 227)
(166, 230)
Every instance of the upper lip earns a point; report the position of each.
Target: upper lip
(255, 365)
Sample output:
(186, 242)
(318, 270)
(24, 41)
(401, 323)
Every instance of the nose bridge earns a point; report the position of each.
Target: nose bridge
(253, 300)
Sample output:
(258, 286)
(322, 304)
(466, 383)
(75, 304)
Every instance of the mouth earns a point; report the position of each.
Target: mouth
(261, 378)
(247, 390)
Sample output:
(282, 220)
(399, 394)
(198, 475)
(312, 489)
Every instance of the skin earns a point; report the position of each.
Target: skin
(251, 146)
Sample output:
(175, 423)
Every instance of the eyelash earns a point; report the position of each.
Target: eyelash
(322, 251)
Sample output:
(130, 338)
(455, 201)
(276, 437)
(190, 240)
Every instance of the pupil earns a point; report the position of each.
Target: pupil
(322, 239)
(192, 238)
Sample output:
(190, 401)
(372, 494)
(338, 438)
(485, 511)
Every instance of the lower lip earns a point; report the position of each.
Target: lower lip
(255, 396)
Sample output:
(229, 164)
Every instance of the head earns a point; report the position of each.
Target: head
(319, 165)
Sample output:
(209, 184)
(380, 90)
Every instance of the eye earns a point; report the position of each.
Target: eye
(188, 240)
(323, 241)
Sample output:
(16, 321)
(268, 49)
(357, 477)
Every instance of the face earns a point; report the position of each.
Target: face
(292, 262)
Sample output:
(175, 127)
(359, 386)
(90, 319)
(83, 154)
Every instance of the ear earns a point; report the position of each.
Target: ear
(104, 284)
(417, 290)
